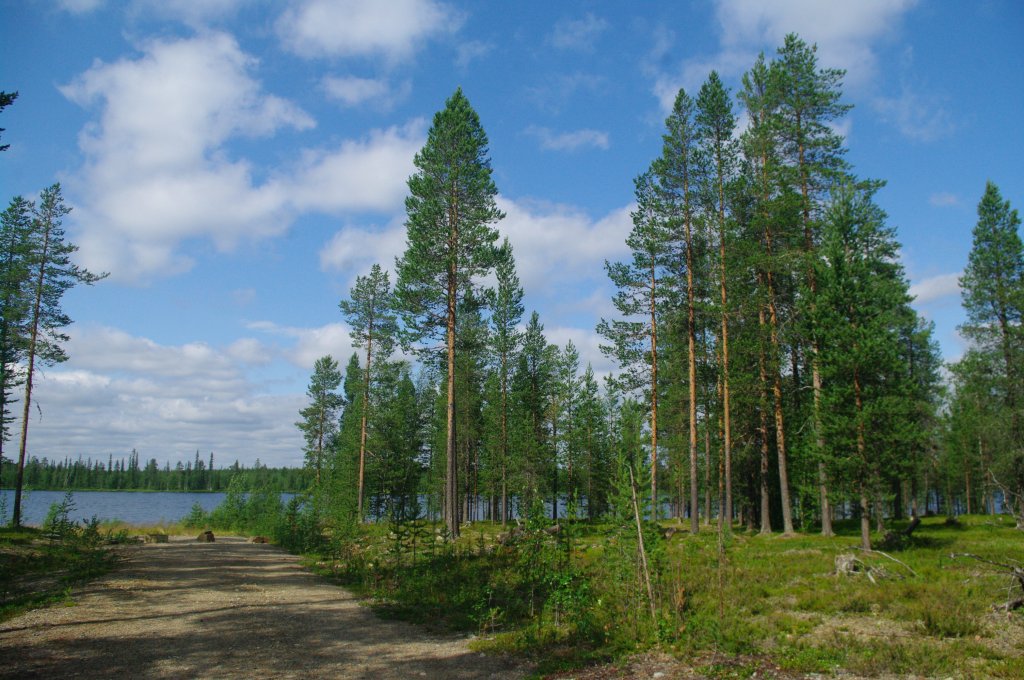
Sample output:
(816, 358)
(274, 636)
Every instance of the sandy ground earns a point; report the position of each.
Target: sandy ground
(228, 609)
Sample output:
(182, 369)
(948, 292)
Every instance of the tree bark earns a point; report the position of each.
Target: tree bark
(362, 425)
(30, 374)
(766, 520)
(654, 397)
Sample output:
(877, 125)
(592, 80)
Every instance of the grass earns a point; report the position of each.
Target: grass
(770, 598)
(36, 571)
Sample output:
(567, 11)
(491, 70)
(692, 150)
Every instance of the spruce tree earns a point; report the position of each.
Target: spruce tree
(319, 422)
(993, 298)
(506, 302)
(450, 245)
(859, 309)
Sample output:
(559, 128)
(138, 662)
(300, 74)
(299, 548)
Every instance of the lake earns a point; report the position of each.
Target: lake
(133, 507)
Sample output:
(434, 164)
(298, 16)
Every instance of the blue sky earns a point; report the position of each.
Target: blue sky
(236, 164)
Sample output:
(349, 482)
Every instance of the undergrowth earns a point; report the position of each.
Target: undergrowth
(40, 566)
(575, 595)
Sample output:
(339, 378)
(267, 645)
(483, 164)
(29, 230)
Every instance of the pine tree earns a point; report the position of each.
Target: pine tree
(15, 227)
(715, 124)
(808, 107)
(52, 273)
(642, 290)
(678, 172)
(449, 246)
(761, 150)
(6, 99)
(370, 313)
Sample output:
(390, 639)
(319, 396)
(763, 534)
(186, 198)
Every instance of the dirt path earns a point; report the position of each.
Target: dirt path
(228, 609)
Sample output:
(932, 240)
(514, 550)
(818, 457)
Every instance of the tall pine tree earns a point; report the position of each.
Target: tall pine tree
(52, 273)
(450, 245)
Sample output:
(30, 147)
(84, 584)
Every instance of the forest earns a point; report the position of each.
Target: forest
(773, 373)
(773, 380)
(131, 474)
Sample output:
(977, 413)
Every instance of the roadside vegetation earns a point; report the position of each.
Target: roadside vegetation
(39, 566)
(576, 596)
(935, 602)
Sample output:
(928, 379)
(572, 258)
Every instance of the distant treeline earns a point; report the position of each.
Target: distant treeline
(130, 475)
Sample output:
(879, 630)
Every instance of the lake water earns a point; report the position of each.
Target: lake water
(133, 507)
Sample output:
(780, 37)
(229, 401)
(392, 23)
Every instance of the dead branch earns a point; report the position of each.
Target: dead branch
(879, 552)
(1014, 571)
(640, 541)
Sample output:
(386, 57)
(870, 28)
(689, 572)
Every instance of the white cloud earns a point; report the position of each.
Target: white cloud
(578, 34)
(352, 91)
(936, 288)
(943, 199)
(351, 28)
(568, 141)
(556, 90)
(917, 116)
(470, 51)
(155, 171)
(588, 344)
(195, 13)
(119, 392)
(845, 33)
(555, 245)
(368, 174)
(79, 6)
(158, 169)
(309, 344)
(355, 249)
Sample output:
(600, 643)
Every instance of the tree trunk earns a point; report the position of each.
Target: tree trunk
(865, 520)
(451, 489)
(766, 520)
(654, 399)
(691, 363)
(362, 425)
(26, 411)
(865, 515)
(726, 422)
(707, 472)
(504, 437)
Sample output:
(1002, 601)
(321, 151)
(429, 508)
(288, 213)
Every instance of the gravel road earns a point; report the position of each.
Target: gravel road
(228, 609)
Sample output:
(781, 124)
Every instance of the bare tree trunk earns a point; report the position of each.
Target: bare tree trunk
(766, 520)
(654, 398)
(451, 488)
(362, 427)
(691, 363)
(707, 473)
(30, 374)
(726, 410)
(865, 515)
(865, 520)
